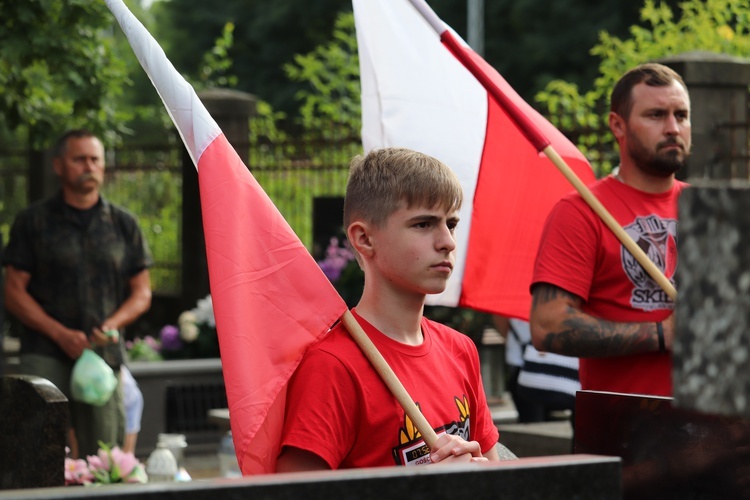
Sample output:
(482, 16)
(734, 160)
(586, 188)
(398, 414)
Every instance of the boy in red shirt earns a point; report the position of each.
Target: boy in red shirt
(400, 214)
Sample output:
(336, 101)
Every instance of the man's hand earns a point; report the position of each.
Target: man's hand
(453, 449)
(28, 311)
(73, 342)
(137, 303)
(105, 334)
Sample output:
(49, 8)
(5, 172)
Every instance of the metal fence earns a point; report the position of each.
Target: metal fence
(147, 180)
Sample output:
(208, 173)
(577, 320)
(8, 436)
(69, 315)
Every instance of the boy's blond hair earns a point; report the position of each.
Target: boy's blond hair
(390, 178)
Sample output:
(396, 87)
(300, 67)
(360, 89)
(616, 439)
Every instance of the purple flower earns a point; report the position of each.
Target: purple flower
(331, 271)
(170, 338)
(337, 258)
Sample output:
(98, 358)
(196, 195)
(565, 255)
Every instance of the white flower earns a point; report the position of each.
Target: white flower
(189, 332)
(188, 326)
(204, 312)
(187, 317)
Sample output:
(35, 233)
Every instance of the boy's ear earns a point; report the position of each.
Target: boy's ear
(359, 237)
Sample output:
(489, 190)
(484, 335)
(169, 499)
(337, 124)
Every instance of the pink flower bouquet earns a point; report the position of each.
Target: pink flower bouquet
(109, 465)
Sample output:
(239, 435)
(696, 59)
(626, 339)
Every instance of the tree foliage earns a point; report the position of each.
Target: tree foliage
(330, 111)
(720, 26)
(57, 67)
(217, 64)
(331, 94)
(266, 36)
(530, 42)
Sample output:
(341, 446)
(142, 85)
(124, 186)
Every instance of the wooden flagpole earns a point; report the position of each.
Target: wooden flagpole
(390, 379)
(542, 144)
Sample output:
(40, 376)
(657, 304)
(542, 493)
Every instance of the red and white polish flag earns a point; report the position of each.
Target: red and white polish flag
(416, 94)
(271, 300)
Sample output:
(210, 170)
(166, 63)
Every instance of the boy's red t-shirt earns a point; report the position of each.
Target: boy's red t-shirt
(339, 408)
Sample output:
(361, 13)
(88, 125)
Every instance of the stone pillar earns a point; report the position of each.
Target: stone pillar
(712, 315)
(232, 111)
(718, 86)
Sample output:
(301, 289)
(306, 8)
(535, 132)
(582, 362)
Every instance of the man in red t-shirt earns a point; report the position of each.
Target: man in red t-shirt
(591, 298)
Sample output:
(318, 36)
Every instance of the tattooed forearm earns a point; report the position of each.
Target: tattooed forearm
(562, 327)
(544, 293)
(590, 337)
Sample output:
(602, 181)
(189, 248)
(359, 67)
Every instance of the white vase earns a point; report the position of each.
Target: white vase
(161, 465)
(176, 444)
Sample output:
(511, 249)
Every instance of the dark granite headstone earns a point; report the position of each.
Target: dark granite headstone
(712, 315)
(546, 478)
(667, 453)
(33, 423)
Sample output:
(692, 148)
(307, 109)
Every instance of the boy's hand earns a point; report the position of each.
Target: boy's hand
(453, 449)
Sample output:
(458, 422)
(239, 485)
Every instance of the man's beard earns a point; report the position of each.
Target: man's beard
(658, 163)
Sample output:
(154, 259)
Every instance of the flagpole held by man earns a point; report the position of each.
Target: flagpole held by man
(416, 93)
(478, 67)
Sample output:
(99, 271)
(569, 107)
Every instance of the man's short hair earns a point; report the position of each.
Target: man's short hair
(386, 179)
(62, 143)
(652, 74)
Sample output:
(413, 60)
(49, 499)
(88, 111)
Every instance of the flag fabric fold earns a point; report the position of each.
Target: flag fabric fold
(417, 94)
(271, 300)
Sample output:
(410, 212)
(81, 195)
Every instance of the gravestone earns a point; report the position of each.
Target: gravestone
(697, 444)
(547, 478)
(712, 314)
(33, 426)
(667, 453)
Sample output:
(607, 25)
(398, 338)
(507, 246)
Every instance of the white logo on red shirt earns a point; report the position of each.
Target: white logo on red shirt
(657, 237)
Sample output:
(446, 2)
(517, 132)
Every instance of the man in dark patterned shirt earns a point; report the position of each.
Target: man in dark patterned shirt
(76, 270)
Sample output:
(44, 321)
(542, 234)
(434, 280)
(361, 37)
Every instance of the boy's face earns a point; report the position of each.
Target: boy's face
(414, 250)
